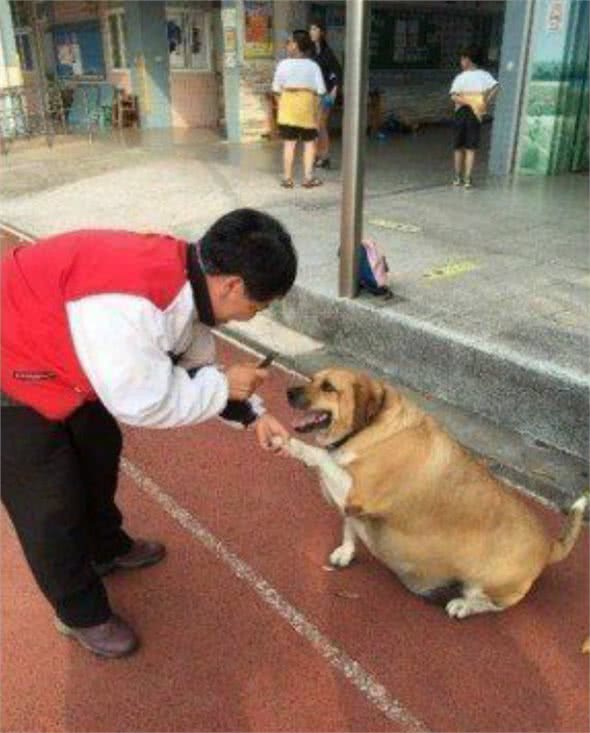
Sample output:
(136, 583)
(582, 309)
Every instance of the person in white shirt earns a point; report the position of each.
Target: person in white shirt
(300, 83)
(471, 92)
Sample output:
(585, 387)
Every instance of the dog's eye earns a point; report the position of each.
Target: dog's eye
(327, 387)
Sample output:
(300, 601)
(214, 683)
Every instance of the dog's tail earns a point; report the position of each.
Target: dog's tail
(571, 531)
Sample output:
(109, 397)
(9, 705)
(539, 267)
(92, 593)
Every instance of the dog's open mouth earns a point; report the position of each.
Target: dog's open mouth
(313, 420)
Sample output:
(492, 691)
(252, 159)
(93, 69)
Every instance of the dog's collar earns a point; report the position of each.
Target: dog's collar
(346, 438)
(341, 442)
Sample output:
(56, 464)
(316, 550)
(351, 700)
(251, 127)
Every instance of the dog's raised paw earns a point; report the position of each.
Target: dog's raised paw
(458, 608)
(342, 556)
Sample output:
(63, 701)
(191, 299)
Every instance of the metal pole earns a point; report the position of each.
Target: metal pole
(353, 143)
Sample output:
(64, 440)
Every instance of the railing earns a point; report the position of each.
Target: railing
(28, 111)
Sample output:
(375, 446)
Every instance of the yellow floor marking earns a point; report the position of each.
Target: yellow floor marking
(451, 269)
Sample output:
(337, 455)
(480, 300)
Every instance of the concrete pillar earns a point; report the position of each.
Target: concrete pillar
(147, 49)
(10, 71)
(247, 81)
(232, 27)
(512, 77)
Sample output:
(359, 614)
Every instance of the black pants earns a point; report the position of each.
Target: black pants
(467, 129)
(58, 486)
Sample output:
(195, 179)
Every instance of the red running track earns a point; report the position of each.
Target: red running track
(223, 647)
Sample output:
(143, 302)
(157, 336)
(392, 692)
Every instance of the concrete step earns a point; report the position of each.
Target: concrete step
(537, 399)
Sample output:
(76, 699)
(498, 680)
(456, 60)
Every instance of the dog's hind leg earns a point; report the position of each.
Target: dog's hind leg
(343, 555)
(479, 600)
(474, 600)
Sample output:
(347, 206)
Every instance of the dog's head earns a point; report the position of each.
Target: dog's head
(338, 403)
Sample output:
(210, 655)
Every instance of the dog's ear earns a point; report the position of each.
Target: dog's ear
(368, 400)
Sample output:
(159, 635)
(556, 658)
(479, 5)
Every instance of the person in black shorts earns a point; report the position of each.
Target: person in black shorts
(471, 92)
(299, 83)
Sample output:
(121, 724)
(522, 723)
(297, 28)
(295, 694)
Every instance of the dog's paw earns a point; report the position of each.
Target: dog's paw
(296, 448)
(458, 608)
(342, 556)
(308, 454)
(277, 443)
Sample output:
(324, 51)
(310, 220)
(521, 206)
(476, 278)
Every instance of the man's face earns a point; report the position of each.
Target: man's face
(231, 302)
(465, 62)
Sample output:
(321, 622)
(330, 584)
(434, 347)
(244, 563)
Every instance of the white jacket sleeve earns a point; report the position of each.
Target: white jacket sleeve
(122, 344)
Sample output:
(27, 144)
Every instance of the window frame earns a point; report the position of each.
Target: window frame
(19, 34)
(191, 18)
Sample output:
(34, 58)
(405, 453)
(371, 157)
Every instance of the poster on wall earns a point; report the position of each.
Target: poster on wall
(78, 50)
(69, 56)
(258, 41)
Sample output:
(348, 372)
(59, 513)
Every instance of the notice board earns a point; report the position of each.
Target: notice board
(78, 50)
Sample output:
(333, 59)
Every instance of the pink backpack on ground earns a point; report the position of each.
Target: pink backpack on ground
(374, 270)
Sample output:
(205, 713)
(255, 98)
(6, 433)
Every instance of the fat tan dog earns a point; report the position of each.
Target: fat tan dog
(420, 502)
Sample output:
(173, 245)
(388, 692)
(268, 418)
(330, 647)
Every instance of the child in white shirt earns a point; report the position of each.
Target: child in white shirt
(471, 92)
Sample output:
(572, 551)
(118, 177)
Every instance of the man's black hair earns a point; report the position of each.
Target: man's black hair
(303, 41)
(254, 246)
(473, 53)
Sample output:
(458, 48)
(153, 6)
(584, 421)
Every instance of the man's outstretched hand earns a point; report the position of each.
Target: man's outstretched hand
(267, 429)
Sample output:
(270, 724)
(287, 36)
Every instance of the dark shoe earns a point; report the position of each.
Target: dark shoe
(287, 183)
(141, 554)
(114, 638)
(322, 163)
(312, 183)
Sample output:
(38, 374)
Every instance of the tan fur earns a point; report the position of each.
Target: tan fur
(424, 505)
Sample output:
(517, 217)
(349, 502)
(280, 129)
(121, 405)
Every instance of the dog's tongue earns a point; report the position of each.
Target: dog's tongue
(308, 420)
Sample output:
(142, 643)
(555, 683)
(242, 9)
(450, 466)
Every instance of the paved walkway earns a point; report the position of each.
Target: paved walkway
(244, 629)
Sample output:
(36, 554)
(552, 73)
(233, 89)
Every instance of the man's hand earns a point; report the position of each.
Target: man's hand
(268, 428)
(243, 380)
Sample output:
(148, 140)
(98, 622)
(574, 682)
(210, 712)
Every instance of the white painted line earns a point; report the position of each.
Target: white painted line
(25, 236)
(373, 691)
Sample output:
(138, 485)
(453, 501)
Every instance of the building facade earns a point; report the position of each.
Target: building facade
(209, 63)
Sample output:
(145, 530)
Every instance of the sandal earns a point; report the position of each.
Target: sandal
(312, 183)
(287, 183)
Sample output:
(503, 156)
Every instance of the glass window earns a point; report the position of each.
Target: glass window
(24, 50)
(188, 39)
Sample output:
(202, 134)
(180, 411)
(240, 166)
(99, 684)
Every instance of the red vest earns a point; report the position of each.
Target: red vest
(39, 364)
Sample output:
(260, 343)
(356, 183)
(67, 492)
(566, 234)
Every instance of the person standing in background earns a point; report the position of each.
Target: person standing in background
(471, 92)
(332, 73)
(299, 83)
